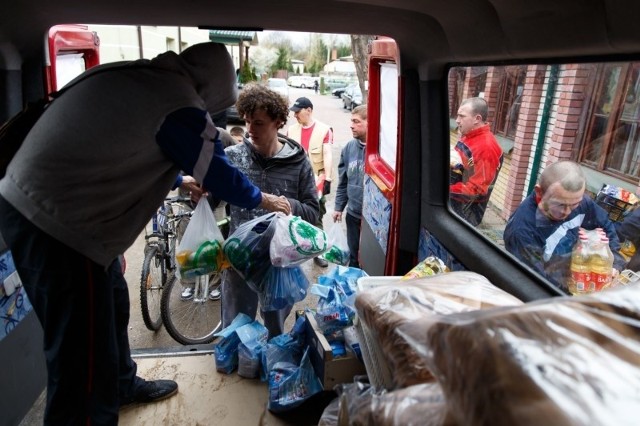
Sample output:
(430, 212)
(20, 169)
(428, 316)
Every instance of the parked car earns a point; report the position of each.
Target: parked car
(279, 85)
(338, 91)
(351, 95)
(232, 112)
(334, 83)
(302, 81)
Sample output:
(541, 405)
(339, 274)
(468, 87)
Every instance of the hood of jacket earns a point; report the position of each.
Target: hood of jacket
(211, 69)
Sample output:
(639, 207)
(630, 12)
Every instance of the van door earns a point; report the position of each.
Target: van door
(379, 240)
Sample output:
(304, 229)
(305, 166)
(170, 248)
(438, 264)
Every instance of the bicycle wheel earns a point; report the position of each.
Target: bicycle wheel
(152, 281)
(192, 321)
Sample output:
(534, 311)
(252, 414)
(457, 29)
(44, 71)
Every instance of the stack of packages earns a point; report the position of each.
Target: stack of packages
(462, 351)
(335, 312)
(282, 361)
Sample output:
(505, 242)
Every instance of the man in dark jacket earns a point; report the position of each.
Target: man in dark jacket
(87, 179)
(544, 228)
(351, 182)
(275, 164)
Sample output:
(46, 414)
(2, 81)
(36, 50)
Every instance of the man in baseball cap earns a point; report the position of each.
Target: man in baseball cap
(316, 138)
(301, 103)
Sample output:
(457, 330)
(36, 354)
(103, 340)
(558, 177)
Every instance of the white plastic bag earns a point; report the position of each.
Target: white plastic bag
(295, 241)
(338, 252)
(200, 250)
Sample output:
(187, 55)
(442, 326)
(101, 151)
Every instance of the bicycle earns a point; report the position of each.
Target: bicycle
(168, 225)
(195, 320)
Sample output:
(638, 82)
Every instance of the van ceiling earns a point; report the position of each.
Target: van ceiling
(435, 31)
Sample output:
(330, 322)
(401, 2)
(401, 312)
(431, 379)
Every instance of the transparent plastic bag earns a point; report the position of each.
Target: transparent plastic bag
(247, 249)
(253, 339)
(338, 252)
(295, 241)
(200, 250)
(382, 308)
(560, 361)
(290, 384)
(283, 287)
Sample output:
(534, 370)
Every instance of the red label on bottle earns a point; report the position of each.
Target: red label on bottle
(601, 281)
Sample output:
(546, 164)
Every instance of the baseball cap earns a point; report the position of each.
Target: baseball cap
(301, 103)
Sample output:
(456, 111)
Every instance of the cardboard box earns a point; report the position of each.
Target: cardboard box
(330, 370)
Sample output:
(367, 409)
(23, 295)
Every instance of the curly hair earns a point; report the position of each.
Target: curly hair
(256, 96)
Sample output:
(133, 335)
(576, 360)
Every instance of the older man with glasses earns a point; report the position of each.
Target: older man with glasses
(544, 229)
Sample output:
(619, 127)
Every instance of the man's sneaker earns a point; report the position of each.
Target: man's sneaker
(187, 293)
(320, 262)
(152, 391)
(215, 294)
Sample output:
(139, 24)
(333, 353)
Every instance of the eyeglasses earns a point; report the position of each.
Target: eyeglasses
(564, 206)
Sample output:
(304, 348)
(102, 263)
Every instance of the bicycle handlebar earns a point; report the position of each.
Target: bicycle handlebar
(178, 199)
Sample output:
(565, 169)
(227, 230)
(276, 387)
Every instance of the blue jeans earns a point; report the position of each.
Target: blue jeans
(237, 297)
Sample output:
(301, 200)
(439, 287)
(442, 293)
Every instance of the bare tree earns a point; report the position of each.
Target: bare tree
(360, 52)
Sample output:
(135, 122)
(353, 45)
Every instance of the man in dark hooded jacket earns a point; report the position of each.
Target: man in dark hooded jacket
(86, 180)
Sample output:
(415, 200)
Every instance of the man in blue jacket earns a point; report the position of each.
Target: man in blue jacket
(544, 229)
(351, 182)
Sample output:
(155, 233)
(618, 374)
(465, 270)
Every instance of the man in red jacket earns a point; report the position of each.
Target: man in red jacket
(475, 172)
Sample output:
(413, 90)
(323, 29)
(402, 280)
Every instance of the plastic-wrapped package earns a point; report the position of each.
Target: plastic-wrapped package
(360, 404)
(287, 347)
(382, 309)
(253, 338)
(561, 361)
(290, 384)
(295, 241)
(336, 291)
(226, 349)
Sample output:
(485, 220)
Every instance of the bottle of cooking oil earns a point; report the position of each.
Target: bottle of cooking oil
(580, 268)
(601, 264)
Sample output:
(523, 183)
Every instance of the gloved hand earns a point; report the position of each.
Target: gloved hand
(326, 188)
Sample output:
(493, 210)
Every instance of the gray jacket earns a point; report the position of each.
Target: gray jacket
(351, 178)
(103, 156)
(287, 173)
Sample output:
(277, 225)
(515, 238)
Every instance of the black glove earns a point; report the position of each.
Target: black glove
(326, 188)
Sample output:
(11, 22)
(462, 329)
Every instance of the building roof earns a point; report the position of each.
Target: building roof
(233, 37)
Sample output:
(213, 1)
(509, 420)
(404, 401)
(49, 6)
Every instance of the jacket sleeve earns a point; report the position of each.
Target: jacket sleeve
(306, 205)
(523, 247)
(190, 139)
(343, 181)
(629, 228)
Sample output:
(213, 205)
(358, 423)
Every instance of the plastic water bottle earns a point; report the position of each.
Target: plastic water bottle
(580, 278)
(601, 264)
(154, 222)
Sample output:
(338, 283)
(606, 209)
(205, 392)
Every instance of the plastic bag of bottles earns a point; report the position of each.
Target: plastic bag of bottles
(247, 249)
(200, 250)
(338, 252)
(295, 241)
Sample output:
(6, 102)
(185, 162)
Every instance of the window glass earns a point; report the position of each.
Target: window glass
(389, 110)
(536, 115)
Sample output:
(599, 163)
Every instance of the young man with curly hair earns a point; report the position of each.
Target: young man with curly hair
(278, 165)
